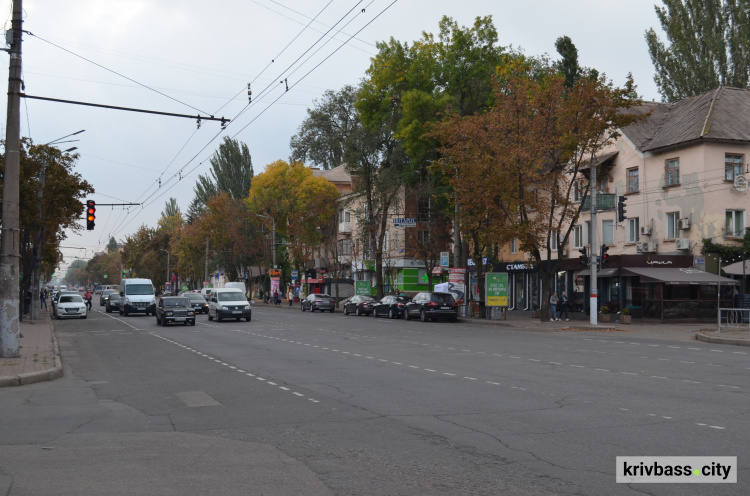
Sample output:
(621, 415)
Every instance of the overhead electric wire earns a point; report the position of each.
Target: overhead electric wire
(169, 164)
(122, 226)
(117, 73)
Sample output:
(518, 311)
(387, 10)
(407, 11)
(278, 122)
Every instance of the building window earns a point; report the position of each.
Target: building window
(735, 225)
(424, 238)
(732, 166)
(578, 187)
(423, 209)
(395, 241)
(633, 229)
(514, 245)
(385, 243)
(608, 232)
(603, 185)
(577, 237)
(673, 172)
(633, 180)
(673, 219)
(553, 241)
(588, 232)
(345, 247)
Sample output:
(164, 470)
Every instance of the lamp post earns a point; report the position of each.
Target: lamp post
(167, 252)
(273, 236)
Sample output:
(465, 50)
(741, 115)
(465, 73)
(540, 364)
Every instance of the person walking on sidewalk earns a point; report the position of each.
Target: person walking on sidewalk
(553, 306)
(43, 299)
(290, 296)
(564, 306)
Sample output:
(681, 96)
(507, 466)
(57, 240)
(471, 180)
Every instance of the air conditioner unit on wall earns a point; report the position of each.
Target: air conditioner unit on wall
(649, 247)
(645, 231)
(683, 223)
(639, 248)
(683, 244)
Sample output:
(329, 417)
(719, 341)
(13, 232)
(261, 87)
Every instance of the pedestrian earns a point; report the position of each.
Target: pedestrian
(27, 302)
(553, 306)
(43, 299)
(87, 297)
(290, 296)
(278, 297)
(275, 295)
(564, 306)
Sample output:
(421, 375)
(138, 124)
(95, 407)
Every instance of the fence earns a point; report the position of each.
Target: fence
(734, 318)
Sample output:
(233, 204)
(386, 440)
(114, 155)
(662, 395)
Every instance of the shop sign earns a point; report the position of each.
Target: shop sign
(275, 272)
(362, 287)
(408, 222)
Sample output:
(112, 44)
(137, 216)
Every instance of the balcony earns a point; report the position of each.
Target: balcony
(604, 201)
(345, 227)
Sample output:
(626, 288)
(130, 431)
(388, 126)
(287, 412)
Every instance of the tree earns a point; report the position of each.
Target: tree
(709, 46)
(322, 136)
(518, 163)
(569, 64)
(112, 245)
(231, 172)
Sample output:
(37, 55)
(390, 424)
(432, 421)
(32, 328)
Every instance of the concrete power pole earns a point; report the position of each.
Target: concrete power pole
(9, 235)
(205, 276)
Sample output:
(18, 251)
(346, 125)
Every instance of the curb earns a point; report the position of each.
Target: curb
(39, 376)
(700, 336)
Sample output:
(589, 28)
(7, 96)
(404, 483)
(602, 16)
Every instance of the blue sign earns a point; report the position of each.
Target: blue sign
(295, 275)
(408, 222)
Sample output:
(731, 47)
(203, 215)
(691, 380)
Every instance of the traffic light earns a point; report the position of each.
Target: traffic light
(604, 257)
(90, 214)
(621, 209)
(584, 258)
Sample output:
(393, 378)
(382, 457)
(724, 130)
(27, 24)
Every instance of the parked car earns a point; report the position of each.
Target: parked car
(318, 301)
(432, 306)
(228, 303)
(104, 295)
(359, 305)
(391, 305)
(174, 309)
(114, 303)
(56, 299)
(71, 305)
(197, 301)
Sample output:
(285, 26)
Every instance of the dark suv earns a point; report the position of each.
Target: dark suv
(174, 309)
(432, 306)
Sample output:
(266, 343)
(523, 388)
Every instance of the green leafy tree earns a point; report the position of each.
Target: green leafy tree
(709, 46)
(112, 245)
(231, 172)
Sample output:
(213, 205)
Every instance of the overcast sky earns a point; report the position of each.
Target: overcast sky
(191, 57)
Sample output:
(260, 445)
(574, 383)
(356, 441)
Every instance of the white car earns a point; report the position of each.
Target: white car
(71, 305)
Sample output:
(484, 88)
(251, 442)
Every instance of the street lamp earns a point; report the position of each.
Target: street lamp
(273, 236)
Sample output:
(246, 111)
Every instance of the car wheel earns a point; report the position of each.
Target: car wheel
(357, 312)
(218, 319)
(248, 319)
(406, 314)
(192, 322)
(391, 314)
(423, 316)
(209, 316)
(346, 310)
(84, 317)
(333, 310)
(125, 312)
(158, 322)
(302, 306)
(163, 321)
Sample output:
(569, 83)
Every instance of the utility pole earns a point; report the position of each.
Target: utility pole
(9, 235)
(592, 238)
(205, 276)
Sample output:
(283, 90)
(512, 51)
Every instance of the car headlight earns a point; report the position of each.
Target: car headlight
(191, 313)
(169, 314)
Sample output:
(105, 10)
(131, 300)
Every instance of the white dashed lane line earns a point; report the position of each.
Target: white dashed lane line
(232, 367)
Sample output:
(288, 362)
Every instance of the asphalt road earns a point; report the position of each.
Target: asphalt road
(301, 403)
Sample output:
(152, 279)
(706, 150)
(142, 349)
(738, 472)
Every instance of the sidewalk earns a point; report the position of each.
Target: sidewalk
(39, 356)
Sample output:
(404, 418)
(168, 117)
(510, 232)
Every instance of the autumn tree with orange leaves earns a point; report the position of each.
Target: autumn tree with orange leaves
(514, 167)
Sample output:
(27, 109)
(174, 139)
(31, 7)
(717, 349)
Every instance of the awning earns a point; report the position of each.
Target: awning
(736, 268)
(611, 272)
(673, 275)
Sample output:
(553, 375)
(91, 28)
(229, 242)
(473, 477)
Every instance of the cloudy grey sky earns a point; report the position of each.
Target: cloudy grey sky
(192, 56)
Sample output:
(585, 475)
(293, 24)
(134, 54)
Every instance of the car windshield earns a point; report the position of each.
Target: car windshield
(109, 292)
(139, 289)
(175, 302)
(364, 298)
(71, 299)
(233, 296)
(114, 296)
(195, 296)
(321, 296)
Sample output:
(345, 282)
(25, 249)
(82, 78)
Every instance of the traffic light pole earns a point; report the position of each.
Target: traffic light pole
(593, 302)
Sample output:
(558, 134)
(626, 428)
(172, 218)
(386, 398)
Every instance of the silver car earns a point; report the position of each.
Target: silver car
(320, 302)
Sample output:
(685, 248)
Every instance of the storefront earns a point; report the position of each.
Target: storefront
(524, 284)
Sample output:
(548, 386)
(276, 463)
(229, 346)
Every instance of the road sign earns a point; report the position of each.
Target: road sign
(496, 289)
(295, 275)
(445, 259)
(405, 222)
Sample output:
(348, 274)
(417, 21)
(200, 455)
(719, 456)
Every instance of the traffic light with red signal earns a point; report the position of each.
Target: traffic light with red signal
(90, 214)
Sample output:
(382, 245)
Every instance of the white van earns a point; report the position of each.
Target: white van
(229, 303)
(205, 292)
(137, 297)
(235, 285)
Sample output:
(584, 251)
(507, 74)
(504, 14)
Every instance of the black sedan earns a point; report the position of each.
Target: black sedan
(391, 305)
(359, 305)
(113, 303)
(198, 302)
(174, 309)
(105, 295)
(432, 306)
(320, 302)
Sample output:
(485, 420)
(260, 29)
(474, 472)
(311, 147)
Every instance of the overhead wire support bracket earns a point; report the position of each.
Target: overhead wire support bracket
(223, 120)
